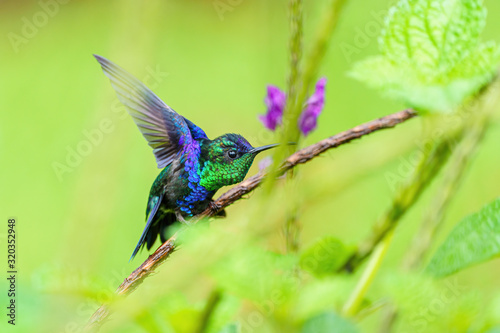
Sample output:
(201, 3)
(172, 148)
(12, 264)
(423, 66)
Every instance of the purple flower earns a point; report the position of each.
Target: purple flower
(275, 101)
(309, 118)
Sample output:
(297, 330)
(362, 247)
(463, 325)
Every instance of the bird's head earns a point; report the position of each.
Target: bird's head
(226, 160)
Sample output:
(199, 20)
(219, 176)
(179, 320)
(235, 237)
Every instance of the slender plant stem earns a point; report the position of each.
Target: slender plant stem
(299, 84)
(466, 138)
(473, 134)
(388, 319)
(296, 21)
(292, 229)
(302, 156)
(213, 301)
(455, 171)
(428, 168)
(380, 241)
(352, 305)
(313, 61)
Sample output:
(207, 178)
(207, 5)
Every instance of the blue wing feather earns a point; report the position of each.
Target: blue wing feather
(165, 130)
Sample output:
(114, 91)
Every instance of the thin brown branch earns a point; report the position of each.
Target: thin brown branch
(300, 157)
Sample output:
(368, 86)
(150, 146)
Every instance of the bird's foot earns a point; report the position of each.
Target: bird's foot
(217, 210)
(214, 207)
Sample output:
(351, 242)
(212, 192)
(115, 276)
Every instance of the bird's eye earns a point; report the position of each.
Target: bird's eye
(232, 154)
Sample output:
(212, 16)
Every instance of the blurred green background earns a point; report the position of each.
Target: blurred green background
(78, 224)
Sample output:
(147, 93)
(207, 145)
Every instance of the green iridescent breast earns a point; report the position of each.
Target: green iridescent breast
(215, 175)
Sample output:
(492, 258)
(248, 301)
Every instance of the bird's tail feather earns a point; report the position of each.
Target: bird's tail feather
(150, 231)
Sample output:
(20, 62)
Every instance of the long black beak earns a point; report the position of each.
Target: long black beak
(261, 149)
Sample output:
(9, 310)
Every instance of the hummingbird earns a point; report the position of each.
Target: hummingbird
(193, 166)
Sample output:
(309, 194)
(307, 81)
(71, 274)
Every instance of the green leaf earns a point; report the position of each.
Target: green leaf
(431, 56)
(475, 239)
(328, 322)
(324, 257)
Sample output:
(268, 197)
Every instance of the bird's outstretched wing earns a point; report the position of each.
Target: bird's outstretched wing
(165, 130)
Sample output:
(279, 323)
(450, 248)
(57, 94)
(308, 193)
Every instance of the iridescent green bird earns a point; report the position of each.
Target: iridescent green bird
(194, 167)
